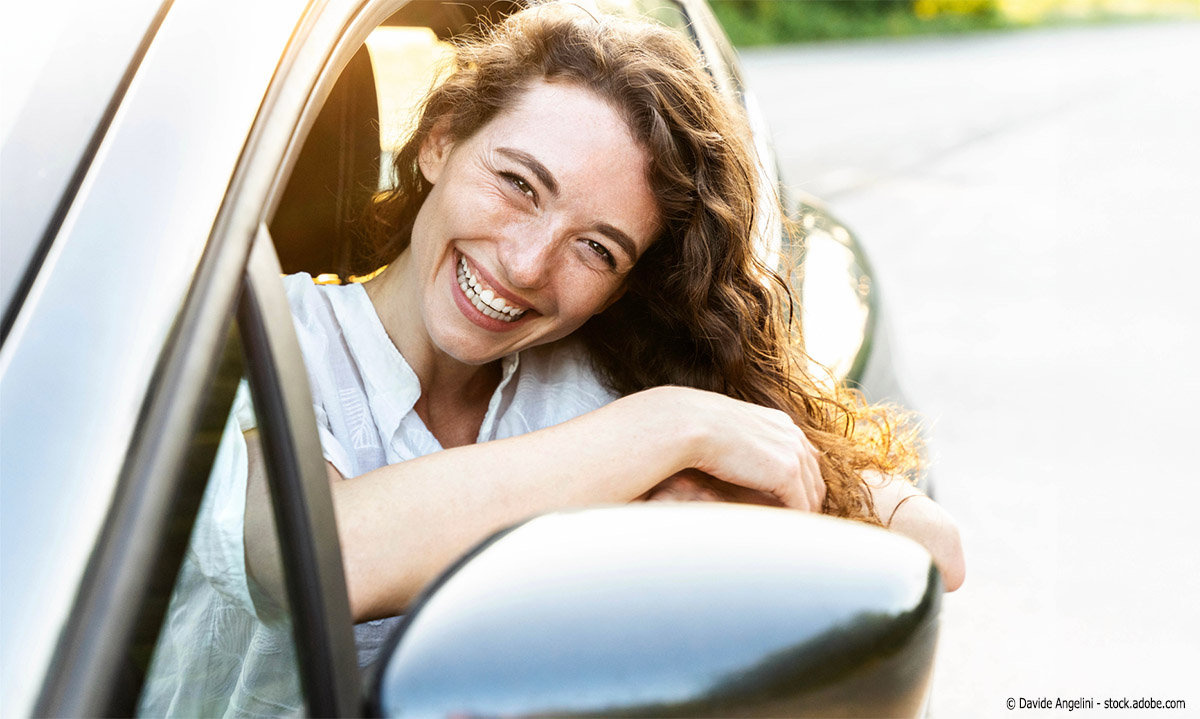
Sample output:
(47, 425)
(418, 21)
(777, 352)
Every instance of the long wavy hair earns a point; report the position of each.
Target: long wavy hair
(701, 308)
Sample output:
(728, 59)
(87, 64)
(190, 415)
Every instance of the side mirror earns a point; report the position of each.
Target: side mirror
(672, 610)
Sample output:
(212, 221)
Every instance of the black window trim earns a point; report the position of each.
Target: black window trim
(299, 487)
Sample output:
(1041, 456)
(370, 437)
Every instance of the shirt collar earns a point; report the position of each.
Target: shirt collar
(392, 385)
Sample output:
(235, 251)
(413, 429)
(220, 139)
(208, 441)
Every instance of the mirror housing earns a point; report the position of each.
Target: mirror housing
(693, 609)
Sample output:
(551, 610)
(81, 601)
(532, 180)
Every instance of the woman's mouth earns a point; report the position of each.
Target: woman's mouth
(484, 298)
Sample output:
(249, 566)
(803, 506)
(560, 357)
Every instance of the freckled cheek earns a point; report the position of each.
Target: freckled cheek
(491, 212)
(581, 294)
(483, 218)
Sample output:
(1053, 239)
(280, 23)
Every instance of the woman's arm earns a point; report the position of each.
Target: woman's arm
(403, 524)
(904, 509)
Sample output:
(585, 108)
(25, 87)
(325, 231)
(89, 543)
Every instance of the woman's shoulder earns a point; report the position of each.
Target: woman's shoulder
(554, 382)
(326, 318)
(564, 366)
(565, 356)
(308, 299)
(320, 310)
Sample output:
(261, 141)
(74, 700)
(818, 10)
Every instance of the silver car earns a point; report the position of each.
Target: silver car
(164, 162)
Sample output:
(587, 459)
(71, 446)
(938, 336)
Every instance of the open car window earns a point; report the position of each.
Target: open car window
(319, 225)
(225, 643)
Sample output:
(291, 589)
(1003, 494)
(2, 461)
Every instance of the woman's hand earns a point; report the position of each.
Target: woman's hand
(685, 486)
(756, 448)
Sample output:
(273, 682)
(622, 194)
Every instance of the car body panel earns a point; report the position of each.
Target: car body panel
(97, 331)
(82, 353)
(62, 83)
(833, 281)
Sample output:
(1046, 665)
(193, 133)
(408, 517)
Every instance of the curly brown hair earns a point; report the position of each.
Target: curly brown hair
(701, 309)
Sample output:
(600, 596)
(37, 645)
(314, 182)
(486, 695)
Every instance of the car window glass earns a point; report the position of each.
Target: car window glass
(224, 645)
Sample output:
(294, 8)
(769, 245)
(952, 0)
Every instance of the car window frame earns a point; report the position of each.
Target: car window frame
(299, 488)
(161, 485)
(82, 678)
(326, 39)
(323, 44)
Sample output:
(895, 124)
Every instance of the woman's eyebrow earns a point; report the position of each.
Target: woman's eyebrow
(531, 162)
(626, 243)
(544, 176)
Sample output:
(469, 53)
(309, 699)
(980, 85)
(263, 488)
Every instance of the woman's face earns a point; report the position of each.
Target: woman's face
(532, 224)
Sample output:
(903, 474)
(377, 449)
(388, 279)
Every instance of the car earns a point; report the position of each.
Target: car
(158, 179)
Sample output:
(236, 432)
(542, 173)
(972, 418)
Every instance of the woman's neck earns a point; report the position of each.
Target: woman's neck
(454, 395)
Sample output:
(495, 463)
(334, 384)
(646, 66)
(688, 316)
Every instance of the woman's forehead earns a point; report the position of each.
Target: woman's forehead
(579, 149)
(568, 113)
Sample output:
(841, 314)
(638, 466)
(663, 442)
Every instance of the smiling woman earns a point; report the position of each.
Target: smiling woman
(575, 177)
(573, 312)
(543, 213)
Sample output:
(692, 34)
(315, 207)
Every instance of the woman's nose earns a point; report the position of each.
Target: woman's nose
(527, 256)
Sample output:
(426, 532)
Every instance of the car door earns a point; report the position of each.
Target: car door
(143, 314)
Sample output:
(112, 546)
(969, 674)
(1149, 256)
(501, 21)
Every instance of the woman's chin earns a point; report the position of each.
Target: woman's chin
(468, 350)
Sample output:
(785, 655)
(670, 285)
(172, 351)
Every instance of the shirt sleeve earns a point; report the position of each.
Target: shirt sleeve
(314, 322)
(218, 539)
(555, 383)
(333, 450)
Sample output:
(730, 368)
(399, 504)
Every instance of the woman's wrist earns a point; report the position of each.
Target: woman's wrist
(670, 420)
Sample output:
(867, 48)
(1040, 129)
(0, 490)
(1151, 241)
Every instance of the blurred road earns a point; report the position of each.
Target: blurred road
(1031, 202)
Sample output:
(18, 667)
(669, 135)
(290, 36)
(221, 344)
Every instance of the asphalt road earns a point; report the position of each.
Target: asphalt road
(1031, 202)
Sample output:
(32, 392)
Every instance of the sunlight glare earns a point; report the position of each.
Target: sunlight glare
(408, 61)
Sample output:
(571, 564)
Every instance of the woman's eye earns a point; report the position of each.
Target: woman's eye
(520, 184)
(602, 252)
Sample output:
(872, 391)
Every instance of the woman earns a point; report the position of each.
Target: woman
(588, 175)
(572, 311)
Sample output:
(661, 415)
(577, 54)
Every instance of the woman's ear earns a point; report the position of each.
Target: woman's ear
(435, 151)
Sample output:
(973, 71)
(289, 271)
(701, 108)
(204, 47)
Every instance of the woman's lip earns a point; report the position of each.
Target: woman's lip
(471, 312)
(493, 285)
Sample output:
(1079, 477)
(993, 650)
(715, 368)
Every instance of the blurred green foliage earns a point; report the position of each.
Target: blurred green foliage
(768, 22)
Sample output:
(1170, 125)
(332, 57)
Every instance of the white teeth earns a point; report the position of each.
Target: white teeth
(485, 300)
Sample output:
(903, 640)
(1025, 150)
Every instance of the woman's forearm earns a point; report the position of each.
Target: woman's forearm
(904, 509)
(402, 524)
